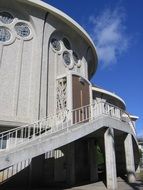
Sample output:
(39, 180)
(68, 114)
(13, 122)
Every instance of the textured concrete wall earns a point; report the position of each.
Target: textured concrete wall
(20, 65)
(29, 67)
(99, 96)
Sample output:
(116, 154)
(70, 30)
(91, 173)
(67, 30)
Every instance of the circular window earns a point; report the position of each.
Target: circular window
(56, 44)
(4, 34)
(67, 43)
(75, 57)
(67, 58)
(6, 17)
(22, 29)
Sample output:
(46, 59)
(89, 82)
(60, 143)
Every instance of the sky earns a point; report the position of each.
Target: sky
(116, 27)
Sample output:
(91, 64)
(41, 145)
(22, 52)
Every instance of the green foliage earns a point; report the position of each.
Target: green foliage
(100, 156)
(140, 153)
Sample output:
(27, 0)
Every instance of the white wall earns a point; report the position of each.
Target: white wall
(20, 62)
(29, 68)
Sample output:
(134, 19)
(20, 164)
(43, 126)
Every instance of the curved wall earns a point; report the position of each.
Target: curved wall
(109, 97)
(20, 64)
(30, 66)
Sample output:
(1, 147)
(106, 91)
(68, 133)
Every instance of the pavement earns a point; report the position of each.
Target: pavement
(122, 185)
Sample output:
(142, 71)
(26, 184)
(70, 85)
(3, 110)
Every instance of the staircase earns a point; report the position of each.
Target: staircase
(18, 146)
(13, 170)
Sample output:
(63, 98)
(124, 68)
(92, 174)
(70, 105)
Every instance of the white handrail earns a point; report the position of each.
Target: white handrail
(50, 125)
(13, 170)
(21, 134)
(60, 120)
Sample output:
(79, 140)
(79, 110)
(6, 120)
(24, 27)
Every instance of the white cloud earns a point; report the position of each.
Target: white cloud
(108, 33)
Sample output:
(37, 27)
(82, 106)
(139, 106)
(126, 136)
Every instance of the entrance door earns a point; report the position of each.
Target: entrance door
(81, 99)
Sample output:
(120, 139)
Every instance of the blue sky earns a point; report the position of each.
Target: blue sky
(116, 28)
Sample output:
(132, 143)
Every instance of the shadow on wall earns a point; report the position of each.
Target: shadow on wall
(19, 180)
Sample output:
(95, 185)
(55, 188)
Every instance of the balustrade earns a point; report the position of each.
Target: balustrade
(60, 121)
(14, 137)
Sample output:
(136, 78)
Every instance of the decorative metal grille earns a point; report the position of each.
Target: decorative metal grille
(61, 94)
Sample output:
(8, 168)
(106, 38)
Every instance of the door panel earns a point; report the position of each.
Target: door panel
(80, 98)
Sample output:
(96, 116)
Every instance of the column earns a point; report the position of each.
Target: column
(93, 160)
(129, 155)
(111, 174)
(71, 163)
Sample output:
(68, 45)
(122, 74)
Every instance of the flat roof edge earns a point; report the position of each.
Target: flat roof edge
(109, 93)
(68, 20)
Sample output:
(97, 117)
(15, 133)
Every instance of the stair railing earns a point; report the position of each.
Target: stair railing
(59, 121)
(13, 170)
(52, 124)
(22, 134)
(112, 111)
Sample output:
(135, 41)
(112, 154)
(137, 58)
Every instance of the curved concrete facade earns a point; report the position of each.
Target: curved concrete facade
(30, 66)
(63, 130)
(100, 94)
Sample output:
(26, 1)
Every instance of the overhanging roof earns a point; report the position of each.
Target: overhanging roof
(72, 23)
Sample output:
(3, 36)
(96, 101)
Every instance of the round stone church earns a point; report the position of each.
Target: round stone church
(56, 128)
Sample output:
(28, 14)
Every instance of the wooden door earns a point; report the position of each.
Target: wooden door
(81, 99)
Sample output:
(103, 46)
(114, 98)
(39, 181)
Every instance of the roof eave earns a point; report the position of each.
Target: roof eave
(69, 21)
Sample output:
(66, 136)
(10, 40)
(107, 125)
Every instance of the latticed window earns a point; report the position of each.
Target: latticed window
(67, 43)
(62, 99)
(56, 44)
(4, 34)
(6, 17)
(61, 94)
(22, 29)
(75, 57)
(8, 28)
(67, 58)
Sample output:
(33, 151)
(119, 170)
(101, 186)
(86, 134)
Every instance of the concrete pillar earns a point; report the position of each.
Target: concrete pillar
(36, 174)
(129, 155)
(93, 160)
(111, 174)
(71, 163)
